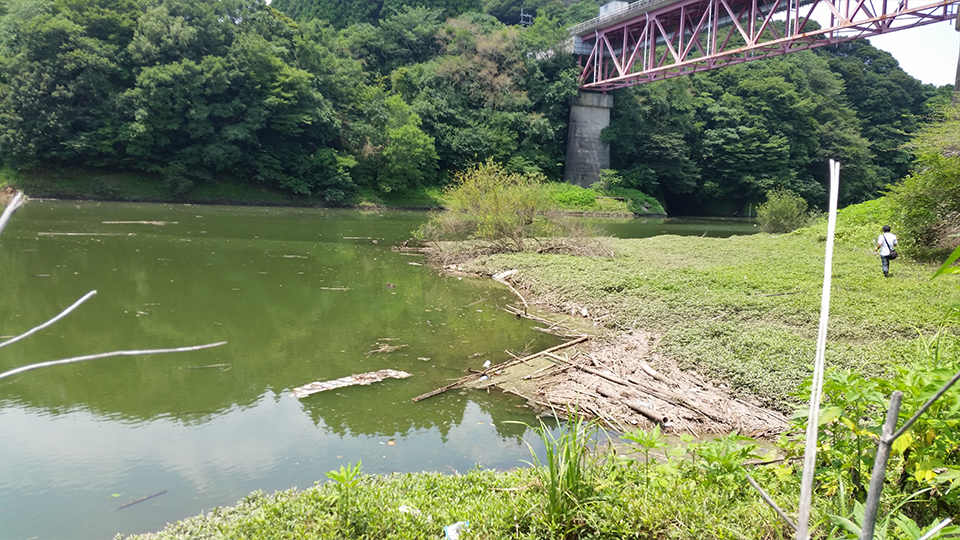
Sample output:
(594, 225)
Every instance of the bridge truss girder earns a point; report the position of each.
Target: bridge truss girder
(697, 35)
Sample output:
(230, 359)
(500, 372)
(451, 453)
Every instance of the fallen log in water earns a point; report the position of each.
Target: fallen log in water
(499, 367)
(358, 379)
(141, 499)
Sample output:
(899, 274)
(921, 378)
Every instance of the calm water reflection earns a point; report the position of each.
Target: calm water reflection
(299, 295)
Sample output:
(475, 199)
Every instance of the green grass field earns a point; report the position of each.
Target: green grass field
(745, 310)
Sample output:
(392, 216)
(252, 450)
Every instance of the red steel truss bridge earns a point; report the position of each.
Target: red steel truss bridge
(652, 40)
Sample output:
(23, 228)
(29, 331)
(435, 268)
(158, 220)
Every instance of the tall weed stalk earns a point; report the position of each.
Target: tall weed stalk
(568, 472)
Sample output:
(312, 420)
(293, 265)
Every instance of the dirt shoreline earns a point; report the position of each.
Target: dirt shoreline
(622, 381)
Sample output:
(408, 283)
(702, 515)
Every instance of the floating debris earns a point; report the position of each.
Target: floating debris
(138, 222)
(352, 380)
(82, 234)
(384, 348)
(224, 367)
(335, 288)
(141, 499)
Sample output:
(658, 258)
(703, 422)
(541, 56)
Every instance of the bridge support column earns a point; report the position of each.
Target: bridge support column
(586, 153)
(956, 84)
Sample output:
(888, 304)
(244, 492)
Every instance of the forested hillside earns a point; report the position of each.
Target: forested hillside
(320, 98)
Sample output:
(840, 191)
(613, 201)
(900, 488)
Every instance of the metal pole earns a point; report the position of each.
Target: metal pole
(956, 84)
(880, 467)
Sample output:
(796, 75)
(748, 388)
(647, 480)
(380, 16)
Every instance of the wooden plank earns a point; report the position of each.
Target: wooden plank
(352, 380)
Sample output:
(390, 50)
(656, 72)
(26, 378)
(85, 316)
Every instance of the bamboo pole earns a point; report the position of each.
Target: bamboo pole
(463, 380)
(63, 314)
(6, 374)
(652, 372)
(15, 204)
(816, 391)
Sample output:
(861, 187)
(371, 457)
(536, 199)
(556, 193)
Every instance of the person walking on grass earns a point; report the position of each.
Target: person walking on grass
(885, 244)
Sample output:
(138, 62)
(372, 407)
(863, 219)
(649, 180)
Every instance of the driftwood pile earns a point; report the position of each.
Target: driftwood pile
(612, 383)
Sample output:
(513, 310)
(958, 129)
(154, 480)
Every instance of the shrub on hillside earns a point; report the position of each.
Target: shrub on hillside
(928, 201)
(783, 212)
(497, 207)
(858, 224)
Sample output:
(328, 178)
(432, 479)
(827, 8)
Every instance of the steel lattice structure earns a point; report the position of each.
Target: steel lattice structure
(651, 40)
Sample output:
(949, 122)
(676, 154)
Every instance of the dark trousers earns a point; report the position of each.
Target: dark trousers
(885, 263)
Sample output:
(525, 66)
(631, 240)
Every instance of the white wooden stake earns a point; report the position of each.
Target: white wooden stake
(816, 390)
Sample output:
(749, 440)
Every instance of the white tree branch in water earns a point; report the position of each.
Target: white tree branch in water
(51, 321)
(11, 208)
(107, 355)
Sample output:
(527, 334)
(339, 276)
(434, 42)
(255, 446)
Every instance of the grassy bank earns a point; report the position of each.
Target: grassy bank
(744, 310)
(91, 184)
(695, 495)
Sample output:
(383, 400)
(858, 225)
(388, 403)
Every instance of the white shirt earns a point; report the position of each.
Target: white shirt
(891, 239)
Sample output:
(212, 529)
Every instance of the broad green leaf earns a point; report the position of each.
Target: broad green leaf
(829, 414)
(946, 268)
(902, 443)
(908, 527)
(846, 525)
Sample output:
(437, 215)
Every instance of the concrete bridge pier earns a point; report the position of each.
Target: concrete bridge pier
(586, 154)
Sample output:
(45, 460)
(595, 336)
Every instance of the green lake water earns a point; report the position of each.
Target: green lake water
(299, 295)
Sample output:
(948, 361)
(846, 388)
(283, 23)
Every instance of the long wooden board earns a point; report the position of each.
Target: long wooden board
(358, 379)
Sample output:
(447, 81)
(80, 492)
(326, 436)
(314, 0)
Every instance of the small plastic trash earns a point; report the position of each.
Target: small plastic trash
(404, 509)
(484, 377)
(454, 531)
(486, 364)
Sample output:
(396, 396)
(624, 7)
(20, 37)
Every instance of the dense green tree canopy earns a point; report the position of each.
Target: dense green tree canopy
(319, 98)
(716, 142)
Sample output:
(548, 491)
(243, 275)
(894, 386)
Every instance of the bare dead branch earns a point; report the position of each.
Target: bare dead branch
(766, 498)
(16, 203)
(63, 314)
(107, 355)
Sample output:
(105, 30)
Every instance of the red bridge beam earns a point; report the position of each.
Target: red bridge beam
(652, 40)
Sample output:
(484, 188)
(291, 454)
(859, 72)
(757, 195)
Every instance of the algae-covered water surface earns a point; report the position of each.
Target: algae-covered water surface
(299, 295)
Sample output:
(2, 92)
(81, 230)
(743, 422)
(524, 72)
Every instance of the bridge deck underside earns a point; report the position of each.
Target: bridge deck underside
(696, 35)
